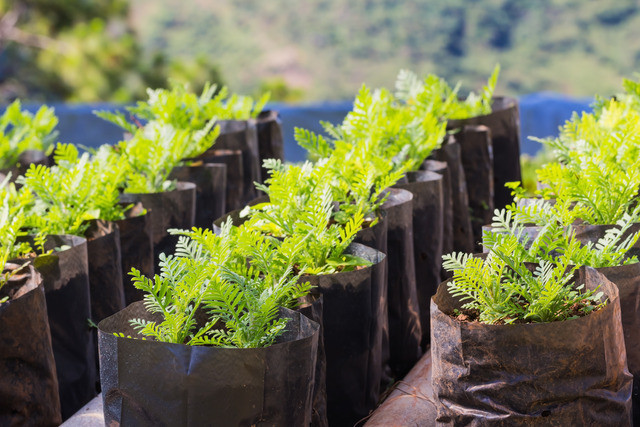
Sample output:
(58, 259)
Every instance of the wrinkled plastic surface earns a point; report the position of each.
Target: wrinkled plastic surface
(504, 122)
(405, 332)
(427, 238)
(136, 248)
(353, 385)
(65, 276)
(28, 384)
(270, 139)
(312, 307)
(211, 186)
(376, 237)
(477, 160)
(627, 279)
(169, 209)
(565, 373)
(105, 269)
(146, 382)
(451, 153)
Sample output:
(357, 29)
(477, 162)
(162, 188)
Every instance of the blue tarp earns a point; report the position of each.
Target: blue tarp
(540, 115)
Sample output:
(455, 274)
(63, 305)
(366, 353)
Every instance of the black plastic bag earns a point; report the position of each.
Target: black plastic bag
(232, 159)
(353, 385)
(169, 209)
(28, 384)
(136, 247)
(211, 186)
(105, 269)
(146, 382)
(504, 123)
(477, 160)
(65, 277)
(627, 279)
(270, 140)
(239, 135)
(427, 238)
(405, 332)
(451, 153)
(565, 373)
(376, 237)
(442, 168)
(312, 307)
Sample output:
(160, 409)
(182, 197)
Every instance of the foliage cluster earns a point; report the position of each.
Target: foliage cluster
(502, 289)
(209, 274)
(178, 125)
(84, 51)
(77, 189)
(20, 130)
(12, 219)
(594, 176)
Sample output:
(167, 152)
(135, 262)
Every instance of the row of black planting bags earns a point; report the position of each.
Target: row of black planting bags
(48, 345)
(374, 321)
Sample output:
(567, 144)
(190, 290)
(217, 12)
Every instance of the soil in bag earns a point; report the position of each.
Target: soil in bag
(353, 385)
(477, 160)
(311, 306)
(405, 332)
(376, 237)
(426, 188)
(451, 153)
(28, 384)
(563, 373)
(147, 382)
(65, 276)
(232, 159)
(211, 185)
(270, 140)
(504, 123)
(169, 209)
(136, 248)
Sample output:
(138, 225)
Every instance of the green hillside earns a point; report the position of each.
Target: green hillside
(327, 48)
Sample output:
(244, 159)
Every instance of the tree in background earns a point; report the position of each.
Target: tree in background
(83, 51)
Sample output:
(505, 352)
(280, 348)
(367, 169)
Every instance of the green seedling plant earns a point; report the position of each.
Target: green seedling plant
(21, 130)
(12, 220)
(156, 149)
(207, 275)
(76, 190)
(370, 151)
(383, 128)
(554, 239)
(301, 207)
(501, 289)
(183, 109)
(433, 95)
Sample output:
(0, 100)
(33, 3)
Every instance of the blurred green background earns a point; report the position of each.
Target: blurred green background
(111, 50)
